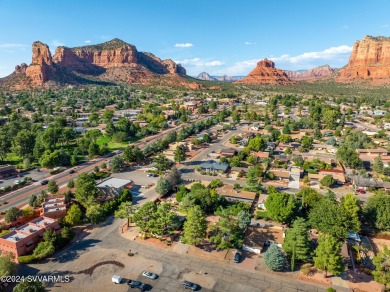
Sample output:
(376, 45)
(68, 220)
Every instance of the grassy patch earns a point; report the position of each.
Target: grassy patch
(110, 144)
(262, 214)
(12, 159)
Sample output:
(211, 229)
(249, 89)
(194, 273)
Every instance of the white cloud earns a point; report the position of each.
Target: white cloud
(184, 45)
(87, 41)
(198, 62)
(385, 25)
(335, 57)
(249, 43)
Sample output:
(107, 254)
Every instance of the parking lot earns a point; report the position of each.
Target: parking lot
(34, 174)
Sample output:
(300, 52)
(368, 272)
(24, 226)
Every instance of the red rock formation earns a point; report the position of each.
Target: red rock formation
(265, 73)
(316, 73)
(370, 60)
(114, 61)
(41, 64)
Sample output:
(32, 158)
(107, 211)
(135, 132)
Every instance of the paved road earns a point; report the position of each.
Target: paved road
(20, 197)
(226, 277)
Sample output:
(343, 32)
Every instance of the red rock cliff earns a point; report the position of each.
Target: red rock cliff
(370, 60)
(41, 64)
(312, 74)
(265, 73)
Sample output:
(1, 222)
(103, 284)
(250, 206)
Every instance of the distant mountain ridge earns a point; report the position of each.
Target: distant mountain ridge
(319, 72)
(207, 77)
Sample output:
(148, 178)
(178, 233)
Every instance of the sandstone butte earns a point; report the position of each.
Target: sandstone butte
(369, 61)
(265, 73)
(106, 63)
(316, 73)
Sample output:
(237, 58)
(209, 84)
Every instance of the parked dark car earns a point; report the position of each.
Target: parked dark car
(44, 182)
(237, 257)
(136, 284)
(189, 285)
(72, 171)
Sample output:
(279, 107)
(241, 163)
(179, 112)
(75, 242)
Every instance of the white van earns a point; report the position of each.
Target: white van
(116, 279)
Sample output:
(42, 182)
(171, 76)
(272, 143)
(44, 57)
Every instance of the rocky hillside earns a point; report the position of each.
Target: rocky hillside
(108, 63)
(370, 60)
(320, 72)
(265, 73)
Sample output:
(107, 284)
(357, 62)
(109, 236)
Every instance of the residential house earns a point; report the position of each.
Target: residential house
(257, 238)
(260, 154)
(113, 187)
(386, 126)
(230, 152)
(213, 166)
(24, 238)
(379, 113)
(380, 151)
(337, 174)
(232, 194)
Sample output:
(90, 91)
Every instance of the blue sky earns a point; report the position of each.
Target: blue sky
(219, 37)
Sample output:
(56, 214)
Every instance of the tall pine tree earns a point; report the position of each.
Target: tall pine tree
(296, 244)
(195, 227)
(328, 257)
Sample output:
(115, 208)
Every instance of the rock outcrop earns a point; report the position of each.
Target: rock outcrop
(316, 73)
(370, 60)
(265, 73)
(41, 65)
(205, 76)
(110, 62)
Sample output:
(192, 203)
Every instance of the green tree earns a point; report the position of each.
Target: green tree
(216, 183)
(71, 184)
(163, 186)
(327, 217)
(86, 190)
(307, 142)
(256, 144)
(195, 226)
(13, 214)
(181, 193)
(348, 156)
(74, 215)
(125, 211)
(133, 154)
(164, 221)
(226, 234)
(252, 178)
(350, 206)
(24, 143)
(173, 177)
(328, 257)
(5, 145)
(117, 164)
(284, 138)
(327, 181)
(274, 258)
(44, 249)
(29, 286)
(281, 207)
(144, 214)
(7, 267)
(93, 149)
(180, 154)
(243, 219)
(377, 211)
(206, 138)
(162, 163)
(95, 213)
(52, 187)
(377, 166)
(297, 244)
(382, 264)
(108, 115)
